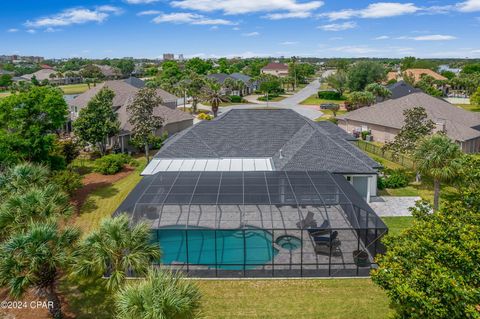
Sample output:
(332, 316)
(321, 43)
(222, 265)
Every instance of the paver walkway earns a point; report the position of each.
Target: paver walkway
(393, 206)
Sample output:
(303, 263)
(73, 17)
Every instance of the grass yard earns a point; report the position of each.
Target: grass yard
(323, 298)
(74, 88)
(397, 224)
(470, 107)
(314, 100)
(275, 99)
(103, 201)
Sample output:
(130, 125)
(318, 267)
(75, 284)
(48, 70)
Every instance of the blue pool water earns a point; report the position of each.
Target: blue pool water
(229, 249)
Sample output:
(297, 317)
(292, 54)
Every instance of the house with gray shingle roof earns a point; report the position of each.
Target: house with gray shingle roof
(280, 140)
(250, 85)
(386, 119)
(175, 120)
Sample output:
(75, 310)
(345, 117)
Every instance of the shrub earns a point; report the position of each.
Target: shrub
(205, 116)
(68, 180)
(270, 97)
(329, 95)
(112, 164)
(236, 99)
(365, 134)
(69, 149)
(393, 179)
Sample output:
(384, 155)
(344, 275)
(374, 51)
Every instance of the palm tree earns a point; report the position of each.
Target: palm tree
(22, 177)
(240, 86)
(162, 295)
(35, 258)
(117, 249)
(438, 157)
(213, 94)
(34, 204)
(230, 84)
(379, 91)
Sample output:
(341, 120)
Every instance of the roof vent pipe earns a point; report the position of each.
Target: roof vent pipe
(280, 153)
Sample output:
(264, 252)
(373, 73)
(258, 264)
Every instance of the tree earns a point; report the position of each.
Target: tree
(170, 70)
(475, 98)
(198, 66)
(142, 118)
(360, 99)
(20, 178)
(29, 122)
(438, 157)
(338, 81)
(471, 68)
(430, 270)
(379, 91)
(163, 294)
(126, 66)
(363, 73)
(92, 72)
(195, 89)
(116, 248)
(270, 84)
(407, 62)
(5, 80)
(416, 126)
(35, 259)
(97, 121)
(213, 95)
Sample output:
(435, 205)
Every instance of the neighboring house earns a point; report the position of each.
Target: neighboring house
(174, 119)
(401, 89)
(52, 76)
(109, 72)
(3, 72)
(417, 74)
(386, 119)
(393, 75)
(250, 85)
(269, 140)
(277, 69)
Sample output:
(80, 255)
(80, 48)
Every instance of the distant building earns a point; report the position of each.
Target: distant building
(168, 57)
(249, 88)
(181, 58)
(18, 59)
(277, 69)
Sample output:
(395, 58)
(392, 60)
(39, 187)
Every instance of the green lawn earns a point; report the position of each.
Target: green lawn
(470, 107)
(314, 100)
(322, 298)
(276, 99)
(74, 88)
(103, 201)
(397, 224)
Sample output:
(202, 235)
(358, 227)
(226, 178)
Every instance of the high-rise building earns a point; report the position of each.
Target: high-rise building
(168, 57)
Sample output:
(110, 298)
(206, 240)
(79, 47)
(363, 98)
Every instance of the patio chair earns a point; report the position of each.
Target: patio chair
(328, 244)
(323, 229)
(307, 222)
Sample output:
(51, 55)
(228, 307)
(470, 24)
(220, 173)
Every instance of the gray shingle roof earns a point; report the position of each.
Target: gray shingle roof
(292, 141)
(401, 89)
(459, 124)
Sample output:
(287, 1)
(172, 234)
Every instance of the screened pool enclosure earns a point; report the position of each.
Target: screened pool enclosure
(258, 224)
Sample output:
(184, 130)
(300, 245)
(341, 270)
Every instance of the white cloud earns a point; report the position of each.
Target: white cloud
(355, 49)
(140, 1)
(382, 37)
(288, 15)
(190, 18)
(50, 30)
(247, 6)
(434, 37)
(73, 16)
(12, 30)
(251, 34)
(235, 28)
(148, 12)
(32, 31)
(289, 43)
(338, 26)
(374, 11)
(108, 8)
(469, 6)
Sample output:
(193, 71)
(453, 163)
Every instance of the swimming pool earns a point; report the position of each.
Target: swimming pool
(228, 249)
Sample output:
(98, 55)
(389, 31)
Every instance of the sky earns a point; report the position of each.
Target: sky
(247, 28)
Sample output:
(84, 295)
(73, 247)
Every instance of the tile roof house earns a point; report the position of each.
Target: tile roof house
(125, 90)
(277, 69)
(52, 76)
(418, 73)
(386, 119)
(280, 140)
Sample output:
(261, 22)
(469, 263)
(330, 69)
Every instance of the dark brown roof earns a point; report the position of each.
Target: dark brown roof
(459, 124)
(276, 66)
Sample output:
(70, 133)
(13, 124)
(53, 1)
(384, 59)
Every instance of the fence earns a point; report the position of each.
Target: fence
(377, 150)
